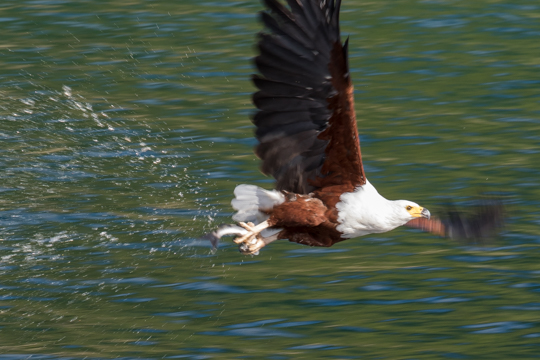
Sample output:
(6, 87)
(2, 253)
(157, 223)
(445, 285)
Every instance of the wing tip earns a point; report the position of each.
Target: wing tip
(478, 224)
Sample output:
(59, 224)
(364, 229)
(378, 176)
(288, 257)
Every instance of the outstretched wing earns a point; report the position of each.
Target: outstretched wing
(306, 124)
(473, 225)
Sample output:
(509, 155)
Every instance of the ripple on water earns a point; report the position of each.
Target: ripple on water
(440, 279)
(446, 21)
(329, 302)
(429, 300)
(135, 281)
(254, 324)
(357, 329)
(435, 311)
(498, 327)
(524, 307)
(189, 314)
(143, 343)
(295, 323)
(382, 287)
(316, 347)
(123, 298)
(211, 286)
(525, 285)
(475, 258)
(44, 281)
(254, 332)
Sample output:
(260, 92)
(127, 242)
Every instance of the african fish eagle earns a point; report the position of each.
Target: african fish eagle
(308, 141)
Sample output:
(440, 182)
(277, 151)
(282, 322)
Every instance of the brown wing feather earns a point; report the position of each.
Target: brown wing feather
(433, 225)
(343, 162)
(306, 125)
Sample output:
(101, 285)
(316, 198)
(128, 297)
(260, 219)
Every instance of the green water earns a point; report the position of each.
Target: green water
(124, 128)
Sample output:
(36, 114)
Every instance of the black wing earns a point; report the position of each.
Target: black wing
(306, 125)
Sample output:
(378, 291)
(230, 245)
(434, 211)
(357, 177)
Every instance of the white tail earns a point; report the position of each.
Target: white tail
(250, 200)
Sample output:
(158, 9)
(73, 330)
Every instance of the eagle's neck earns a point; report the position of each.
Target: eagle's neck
(364, 211)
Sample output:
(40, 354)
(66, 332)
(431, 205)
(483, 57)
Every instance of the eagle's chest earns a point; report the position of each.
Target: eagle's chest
(364, 212)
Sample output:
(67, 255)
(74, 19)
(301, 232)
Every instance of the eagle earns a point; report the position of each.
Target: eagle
(308, 141)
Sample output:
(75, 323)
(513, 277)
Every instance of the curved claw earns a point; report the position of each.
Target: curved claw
(252, 247)
(252, 231)
(246, 237)
(248, 226)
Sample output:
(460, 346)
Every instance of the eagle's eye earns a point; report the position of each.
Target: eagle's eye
(409, 208)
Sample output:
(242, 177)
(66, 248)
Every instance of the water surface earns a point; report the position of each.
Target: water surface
(125, 127)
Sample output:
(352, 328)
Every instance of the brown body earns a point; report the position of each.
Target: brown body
(307, 219)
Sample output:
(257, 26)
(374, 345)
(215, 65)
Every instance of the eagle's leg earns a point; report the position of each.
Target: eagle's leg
(253, 231)
(253, 246)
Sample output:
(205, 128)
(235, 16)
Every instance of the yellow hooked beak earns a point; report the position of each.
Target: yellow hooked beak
(418, 211)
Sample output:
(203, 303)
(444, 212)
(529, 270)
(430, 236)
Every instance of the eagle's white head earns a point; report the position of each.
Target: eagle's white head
(365, 211)
(406, 210)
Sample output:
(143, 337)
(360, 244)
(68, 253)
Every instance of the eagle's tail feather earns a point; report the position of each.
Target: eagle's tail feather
(253, 203)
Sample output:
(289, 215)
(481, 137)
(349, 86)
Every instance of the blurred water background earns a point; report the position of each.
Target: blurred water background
(124, 128)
